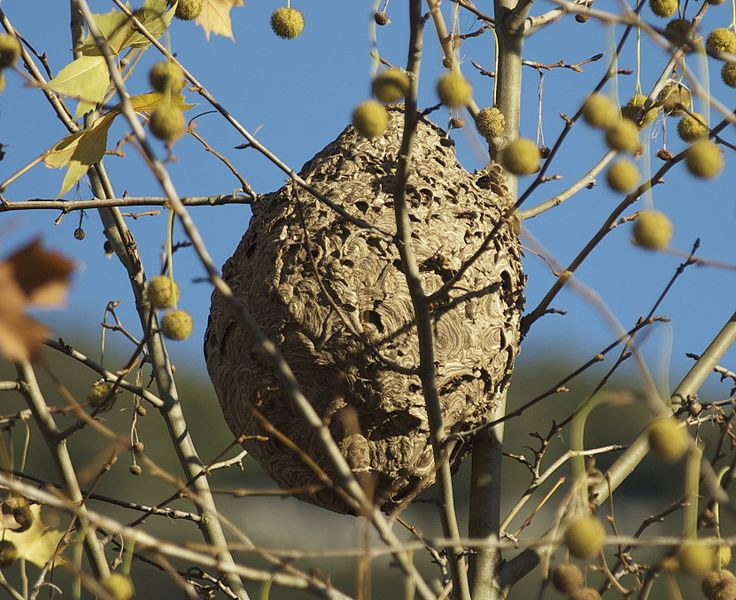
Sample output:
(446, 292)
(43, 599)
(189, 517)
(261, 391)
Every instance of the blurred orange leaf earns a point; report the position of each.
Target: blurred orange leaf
(31, 276)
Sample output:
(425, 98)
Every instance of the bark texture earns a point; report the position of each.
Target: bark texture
(376, 414)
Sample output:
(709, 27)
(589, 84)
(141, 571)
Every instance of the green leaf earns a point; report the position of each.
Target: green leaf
(155, 18)
(85, 78)
(79, 151)
(120, 33)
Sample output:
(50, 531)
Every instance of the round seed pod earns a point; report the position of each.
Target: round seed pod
(695, 559)
(666, 438)
(490, 122)
(186, 10)
(692, 127)
(663, 8)
(166, 76)
(584, 537)
(521, 157)
(704, 159)
(162, 292)
(673, 97)
(678, 29)
(287, 23)
(600, 111)
(721, 40)
(585, 594)
(454, 90)
(370, 119)
(9, 50)
(728, 74)
(99, 396)
(376, 415)
(714, 580)
(177, 325)
(381, 18)
(567, 578)
(167, 123)
(622, 176)
(726, 591)
(723, 556)
(391, 85)
(634, 110)
(653, 231)
(623, 136)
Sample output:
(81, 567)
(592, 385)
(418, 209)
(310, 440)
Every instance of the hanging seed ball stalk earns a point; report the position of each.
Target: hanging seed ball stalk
(376, 416)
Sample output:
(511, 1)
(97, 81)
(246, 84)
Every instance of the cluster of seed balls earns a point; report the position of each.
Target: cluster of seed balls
(584, 537)
(653, 229)
(520, 157)
(9, 53)
(721, 40)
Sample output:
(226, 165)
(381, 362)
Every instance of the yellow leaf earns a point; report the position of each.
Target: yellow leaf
(79, 151)
(86, 78)
(37, 544)
(147, 103)
(215, 17)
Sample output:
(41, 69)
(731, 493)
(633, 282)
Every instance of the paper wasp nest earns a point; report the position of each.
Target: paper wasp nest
(376, 415)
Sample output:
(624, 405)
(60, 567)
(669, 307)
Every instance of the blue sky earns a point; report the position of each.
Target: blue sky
(299, 95)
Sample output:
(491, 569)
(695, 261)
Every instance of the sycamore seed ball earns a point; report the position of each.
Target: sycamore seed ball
(391, 85)
(666, 438)
(454, 90)
(723, 556)
(521, 157)
(728, 74)
(287, 23)
(370, 119)
(634, 110)
(721, 40)
(673, 97)
(695, 559)
(663, 8)
(704, 159)
(585, 594)
(177, 325)
(653, 231)
(167, 123)
(99, 396)
(623, 176)
(584, 537)
(692, 127)
(162, 292)
(9, 50)
(490, 122)
(600, 111)
(119, 586)
(567, 578)
(678, 27)
(8, 553)
(166, 77)
(186, 10)
(623, 136)
(714, 580)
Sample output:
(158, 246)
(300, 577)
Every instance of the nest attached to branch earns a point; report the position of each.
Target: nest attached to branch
(376, 415)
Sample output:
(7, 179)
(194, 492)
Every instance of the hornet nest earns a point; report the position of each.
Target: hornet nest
(342, 349)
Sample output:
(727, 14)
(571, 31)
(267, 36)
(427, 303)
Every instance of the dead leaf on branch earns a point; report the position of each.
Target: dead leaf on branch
(215, 17)
(38, 544)
(30, 277)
